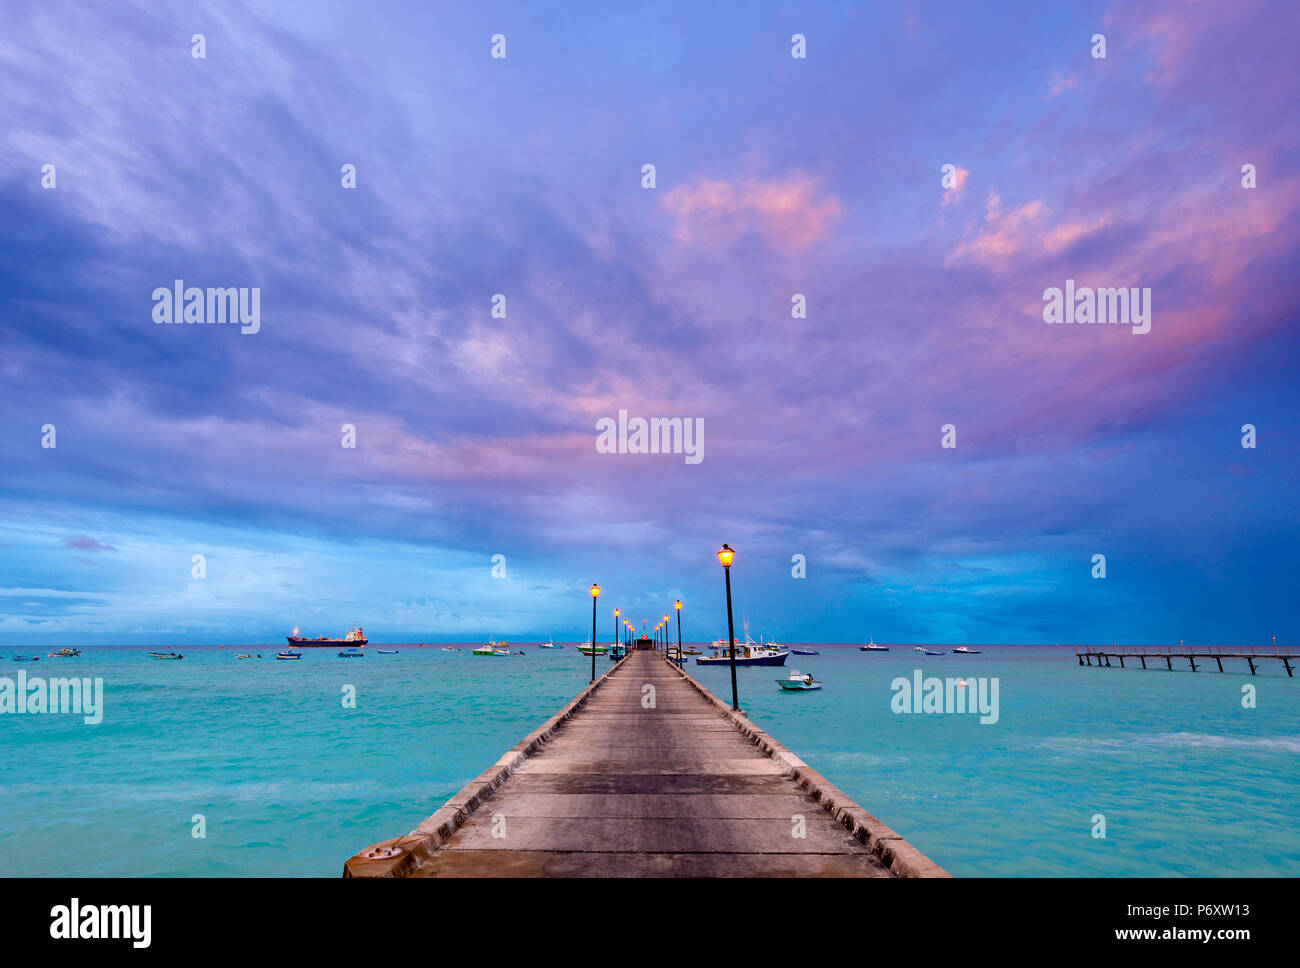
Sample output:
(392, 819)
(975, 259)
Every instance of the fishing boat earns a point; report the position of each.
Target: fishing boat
(962, 650)
(490, 649)
(352, 654)
(749, 653)
(805, 652)
(921, 648)
(243, 655)
(692, 652)
(288, 654)
(64, 654)
(165, 655)
(550, 644)
(27, 658)
(798, 682)
(355, 637)
(387, 651)
(872, 647)
(586, 648)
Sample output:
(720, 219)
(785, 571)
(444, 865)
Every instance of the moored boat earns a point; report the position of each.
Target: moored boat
(352, 654)
(805, 652)
(746, 655)
(387, 651)
(872, 647)
(923, 649)
(963, 650)
(27, 658)
(749, 653)
(165, 655)
(65, 653)
(288, 654)
(798, 682)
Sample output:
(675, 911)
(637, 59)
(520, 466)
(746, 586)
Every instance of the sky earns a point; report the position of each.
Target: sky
(476, 436)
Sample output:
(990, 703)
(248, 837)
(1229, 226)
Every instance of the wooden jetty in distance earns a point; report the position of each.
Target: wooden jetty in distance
(647, 774)
(1250, 654)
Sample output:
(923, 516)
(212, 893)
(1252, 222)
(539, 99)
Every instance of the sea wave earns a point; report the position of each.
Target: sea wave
(1184, 740)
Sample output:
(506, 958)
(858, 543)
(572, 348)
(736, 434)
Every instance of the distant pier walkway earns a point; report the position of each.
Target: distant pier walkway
(645, 774)
(1252, 657)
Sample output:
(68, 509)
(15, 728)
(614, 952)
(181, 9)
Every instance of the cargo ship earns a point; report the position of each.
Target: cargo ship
(355, 637)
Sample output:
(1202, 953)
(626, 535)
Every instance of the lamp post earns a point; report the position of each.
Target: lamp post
(595, 594)
(667, 647)
(681, 660)
(617, 613)
(726, 555)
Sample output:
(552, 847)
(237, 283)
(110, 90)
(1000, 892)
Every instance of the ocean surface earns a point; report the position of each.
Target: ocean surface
(290, 782)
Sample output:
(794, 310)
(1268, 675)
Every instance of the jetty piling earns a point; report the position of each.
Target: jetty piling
(1218, 653)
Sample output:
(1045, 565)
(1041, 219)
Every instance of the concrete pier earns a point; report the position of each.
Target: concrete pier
(645, 774)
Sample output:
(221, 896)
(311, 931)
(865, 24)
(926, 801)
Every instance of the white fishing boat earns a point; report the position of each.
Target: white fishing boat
(750, 653)
(798, 682)
(963, 650)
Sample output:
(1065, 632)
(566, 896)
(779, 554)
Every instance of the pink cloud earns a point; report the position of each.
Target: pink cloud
(785, 212)
(1061, 84)
(87, 544)
(1023, 231)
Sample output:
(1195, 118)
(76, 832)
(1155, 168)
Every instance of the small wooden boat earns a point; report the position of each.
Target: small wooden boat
(386, 651)
(286, 654)
(27, 658)
(352, 654)
(165, 655)
(796, 682)
(243, 655)
(920, 648)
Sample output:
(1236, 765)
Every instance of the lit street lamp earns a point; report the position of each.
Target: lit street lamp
(726, 556)
(681, 660)
(595, 594)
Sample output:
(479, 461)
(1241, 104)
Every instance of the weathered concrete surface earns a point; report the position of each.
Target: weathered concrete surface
(610, 788)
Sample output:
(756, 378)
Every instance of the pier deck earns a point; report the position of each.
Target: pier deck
(611, 788)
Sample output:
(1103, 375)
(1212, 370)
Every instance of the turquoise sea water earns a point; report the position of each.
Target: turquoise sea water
(292, 783)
